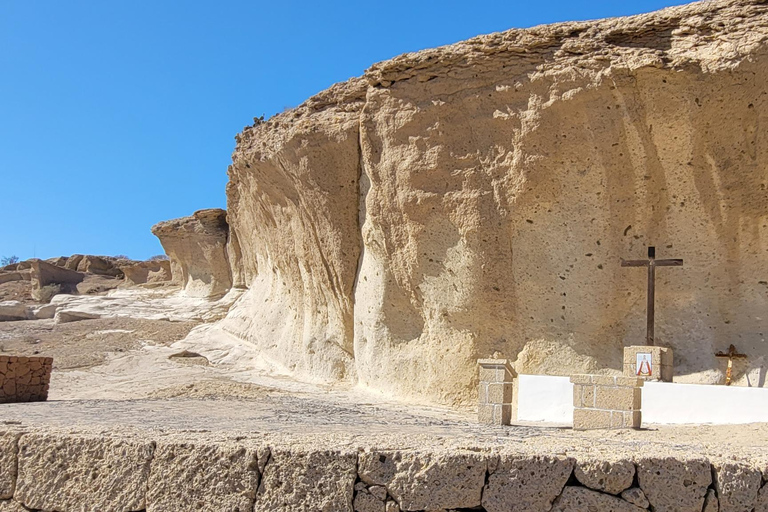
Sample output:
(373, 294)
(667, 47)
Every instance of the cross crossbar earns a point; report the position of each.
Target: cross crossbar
(651, 263)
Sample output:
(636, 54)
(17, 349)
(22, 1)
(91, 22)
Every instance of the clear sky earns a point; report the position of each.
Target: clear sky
(117, 114)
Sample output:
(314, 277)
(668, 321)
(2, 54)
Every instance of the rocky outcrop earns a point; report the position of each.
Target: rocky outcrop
(151, 271)
(479, 197)
(44, 274)
(197, 247)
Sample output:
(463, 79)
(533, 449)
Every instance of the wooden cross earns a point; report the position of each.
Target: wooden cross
(651, 263)
(731, 355)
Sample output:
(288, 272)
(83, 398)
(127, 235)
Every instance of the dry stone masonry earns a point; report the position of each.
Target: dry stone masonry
(495, 392)
(24, 379)
(126, 472)
(604, 401)
(649, 362)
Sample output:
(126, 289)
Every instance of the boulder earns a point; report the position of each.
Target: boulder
(99, 265)
(737, 486)
(197, 247)
(7, 277)
(11, 310)
(479, 197)
(153, 271)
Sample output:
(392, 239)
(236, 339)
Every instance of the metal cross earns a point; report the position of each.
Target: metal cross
(651, 263)
(731, 355)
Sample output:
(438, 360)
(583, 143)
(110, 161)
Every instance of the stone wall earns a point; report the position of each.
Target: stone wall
(73, 471)
(24, 379)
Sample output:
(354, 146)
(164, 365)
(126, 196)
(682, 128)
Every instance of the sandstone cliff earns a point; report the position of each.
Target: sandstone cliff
(197, 248)
(478, 197)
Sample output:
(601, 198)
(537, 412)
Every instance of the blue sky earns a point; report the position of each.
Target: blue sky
(117, 114)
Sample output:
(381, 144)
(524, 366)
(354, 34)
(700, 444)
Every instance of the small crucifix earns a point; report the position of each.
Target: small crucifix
(731, 355)
(651, 263)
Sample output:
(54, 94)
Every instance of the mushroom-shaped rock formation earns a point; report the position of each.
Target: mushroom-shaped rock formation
(197, 248)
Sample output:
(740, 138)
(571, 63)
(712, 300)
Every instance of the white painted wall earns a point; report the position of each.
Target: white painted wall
(549, 399)
(545, 398)
(669, 403)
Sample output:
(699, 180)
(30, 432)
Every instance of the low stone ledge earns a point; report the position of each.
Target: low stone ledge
(106, 472)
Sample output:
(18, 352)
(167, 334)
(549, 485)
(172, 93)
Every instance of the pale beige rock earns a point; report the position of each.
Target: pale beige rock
(674, 483)
(82, 473)
(366, 502)
(307, 480)
(44, 273)
(11, 506)
(7, 277)
(761, 505)
(197, 247)
(580, 499)
(635, 496)
(737, 486)
(205, 477)
(424, 480)
(152, 271)
(11, 310)
(526, 483)
(8, 447)
(488, 190)
(392, 506)
(711, 503)
(611, 476)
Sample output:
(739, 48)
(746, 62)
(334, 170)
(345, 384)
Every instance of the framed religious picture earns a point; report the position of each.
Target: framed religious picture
(644, 365)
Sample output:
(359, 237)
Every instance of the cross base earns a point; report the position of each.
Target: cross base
(648, 362)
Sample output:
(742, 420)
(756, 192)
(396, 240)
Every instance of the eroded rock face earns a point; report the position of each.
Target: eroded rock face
(526, 483)
(44, 274)
(479, 197)
(197, 247)
(8, 447)
(152, 271)
(737, 486)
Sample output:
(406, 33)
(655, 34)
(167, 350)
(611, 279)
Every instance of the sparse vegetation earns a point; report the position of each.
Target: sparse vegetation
(159, 257)
(46, 293)
(8, 260)
(122, 257)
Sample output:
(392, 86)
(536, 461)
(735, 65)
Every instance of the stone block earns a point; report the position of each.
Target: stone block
(579, 499)
(588, 419)
(427, 481)
(661, 360)
(303, 479)
(737, 486)
(482, 393)
(8, 447)
(633, 419)
(581, 379)
(605, 475)
(495, 370)
(485, 414)
(525, 483)
(82, 473)
(203, 477)
(500, 393)
(617, 398)
(674, 483)
(636, 496)
(11, 506)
